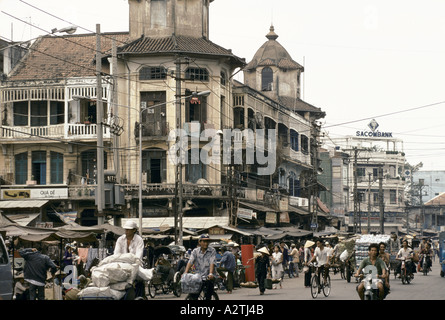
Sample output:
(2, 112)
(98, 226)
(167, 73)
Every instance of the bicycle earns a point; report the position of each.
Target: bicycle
(317, 286)
(201, 295)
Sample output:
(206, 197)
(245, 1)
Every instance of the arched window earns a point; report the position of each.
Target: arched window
(266, 79)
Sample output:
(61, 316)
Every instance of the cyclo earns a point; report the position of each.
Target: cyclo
(165, 279)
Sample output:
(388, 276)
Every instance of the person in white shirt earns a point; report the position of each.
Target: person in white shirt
(405, 253)
(322, 255)
(130, 242)
(277, 265)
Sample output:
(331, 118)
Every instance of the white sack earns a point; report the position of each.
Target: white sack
(124, 258)
(145, 274)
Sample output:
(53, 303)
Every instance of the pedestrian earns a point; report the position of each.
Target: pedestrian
(21, 288)
(262, 268)
(294, 259)
(277, 266)
(285, 251)
(68, 256)
(307, 258)
(35, 271)
(227, 264)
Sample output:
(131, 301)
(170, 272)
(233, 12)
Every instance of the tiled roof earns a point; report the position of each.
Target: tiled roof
(272, 53)
(297, 104)
(437, 200)
(178, 44)
(59, 57)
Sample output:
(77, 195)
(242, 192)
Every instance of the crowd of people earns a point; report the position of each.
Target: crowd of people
(272, 261)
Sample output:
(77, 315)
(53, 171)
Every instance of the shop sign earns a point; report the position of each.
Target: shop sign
(374, 133)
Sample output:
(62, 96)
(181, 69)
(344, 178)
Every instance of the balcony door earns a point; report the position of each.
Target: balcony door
(39, 166)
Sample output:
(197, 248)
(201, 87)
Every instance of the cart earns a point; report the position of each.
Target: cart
(162, 282)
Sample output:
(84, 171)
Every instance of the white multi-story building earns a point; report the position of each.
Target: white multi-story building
(366, 154)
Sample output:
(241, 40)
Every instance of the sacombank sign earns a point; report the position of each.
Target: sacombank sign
(373, 125)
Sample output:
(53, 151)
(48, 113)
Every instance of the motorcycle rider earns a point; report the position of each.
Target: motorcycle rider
(429, 253)
(374, 260)
(386, 259)
(405, 252)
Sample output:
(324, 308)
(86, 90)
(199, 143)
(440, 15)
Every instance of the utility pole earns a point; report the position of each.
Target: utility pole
(178, 174)
(369, 203)
(100, 143)
(422, 211)
(382, 214)
(355, 190)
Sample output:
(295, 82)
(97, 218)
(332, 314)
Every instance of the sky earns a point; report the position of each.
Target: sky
(363, 59)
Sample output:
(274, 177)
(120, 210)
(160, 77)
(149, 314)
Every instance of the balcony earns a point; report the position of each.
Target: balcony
(68, 131)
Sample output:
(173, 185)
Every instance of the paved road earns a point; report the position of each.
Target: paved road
(430, 287)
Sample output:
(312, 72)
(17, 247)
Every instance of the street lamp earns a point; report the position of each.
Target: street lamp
(193, 95)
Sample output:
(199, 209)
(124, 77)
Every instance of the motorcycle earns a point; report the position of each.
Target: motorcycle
(406, 275)
(424, 264)
(370, 283)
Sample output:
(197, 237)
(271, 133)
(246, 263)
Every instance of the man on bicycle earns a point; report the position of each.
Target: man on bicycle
(322, 254)
(203, 258)
(373, 259)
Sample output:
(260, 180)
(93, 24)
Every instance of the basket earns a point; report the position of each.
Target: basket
(191, 283)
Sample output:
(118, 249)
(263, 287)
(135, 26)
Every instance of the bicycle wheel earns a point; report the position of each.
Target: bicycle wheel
(327, 286)
(314, 286)
(151, 289)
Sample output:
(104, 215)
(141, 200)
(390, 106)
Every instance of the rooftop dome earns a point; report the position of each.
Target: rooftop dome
(272, 53)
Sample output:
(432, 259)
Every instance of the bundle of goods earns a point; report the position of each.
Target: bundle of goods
(249, 284)
(362, 245)
(191, 283)
(114, 275)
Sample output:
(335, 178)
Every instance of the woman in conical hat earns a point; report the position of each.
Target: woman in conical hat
(262, 268)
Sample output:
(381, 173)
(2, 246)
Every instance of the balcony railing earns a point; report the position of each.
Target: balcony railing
(65, 131)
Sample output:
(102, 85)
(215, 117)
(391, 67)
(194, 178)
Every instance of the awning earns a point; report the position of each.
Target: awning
(257, 207)
(187, 222)
(322, 206)
(22, 219)
(298, 210)
(16, 204)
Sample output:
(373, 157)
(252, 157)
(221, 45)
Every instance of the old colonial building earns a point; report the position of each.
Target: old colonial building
(248, 150)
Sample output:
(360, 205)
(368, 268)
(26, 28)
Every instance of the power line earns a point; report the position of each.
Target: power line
(387, 114)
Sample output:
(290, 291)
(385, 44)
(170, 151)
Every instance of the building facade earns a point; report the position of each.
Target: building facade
(369, 184)
(152, 85)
